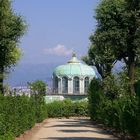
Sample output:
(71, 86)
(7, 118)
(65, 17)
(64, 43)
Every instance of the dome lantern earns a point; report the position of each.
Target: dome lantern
(74, 59)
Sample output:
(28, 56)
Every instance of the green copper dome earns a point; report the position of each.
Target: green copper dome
(74, 68)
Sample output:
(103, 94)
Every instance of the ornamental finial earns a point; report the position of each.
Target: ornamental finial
(73, 54)
(74, 59)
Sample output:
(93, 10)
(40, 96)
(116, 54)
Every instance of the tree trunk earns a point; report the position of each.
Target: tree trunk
(1, 79)
(100, 70)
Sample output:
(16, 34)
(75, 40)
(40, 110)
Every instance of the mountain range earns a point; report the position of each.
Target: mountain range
(24, 73)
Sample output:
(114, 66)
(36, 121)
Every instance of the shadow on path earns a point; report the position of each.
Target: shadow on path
(74, 138)
(83, 131)
(72, 129)
(77, 124)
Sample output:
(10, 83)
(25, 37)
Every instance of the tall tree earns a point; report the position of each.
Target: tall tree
(12, 27)
(38, 87)
(102, 58)
(118, 28)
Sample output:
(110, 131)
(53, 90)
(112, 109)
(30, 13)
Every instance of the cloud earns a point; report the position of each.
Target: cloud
(59, 50)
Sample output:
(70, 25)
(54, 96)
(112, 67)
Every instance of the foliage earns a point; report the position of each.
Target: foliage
(38, 91)
(120, 112)
(116, 38)
(94, 104)
(111, 87)
(38, 87)
(7, 136)
(67, 108)
(137, 87)
(117, 85)
(18, 114)
(12, 27)
(101, 57)
(40, 107)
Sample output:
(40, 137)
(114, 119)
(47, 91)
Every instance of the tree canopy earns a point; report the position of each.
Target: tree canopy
(38, 87)
(117, 36)
(12, 27)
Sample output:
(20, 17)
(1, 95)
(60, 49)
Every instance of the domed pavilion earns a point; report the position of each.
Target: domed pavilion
(72, 78)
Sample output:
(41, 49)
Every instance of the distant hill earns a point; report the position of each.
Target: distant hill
(24, 73)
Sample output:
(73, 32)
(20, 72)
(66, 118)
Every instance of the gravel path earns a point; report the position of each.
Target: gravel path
(70, 129)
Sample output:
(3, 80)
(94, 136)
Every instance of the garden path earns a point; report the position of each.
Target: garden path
(70, 129)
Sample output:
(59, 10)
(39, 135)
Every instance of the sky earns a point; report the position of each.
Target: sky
(56, 28)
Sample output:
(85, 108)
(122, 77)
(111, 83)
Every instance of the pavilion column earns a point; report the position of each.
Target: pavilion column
(70, 86)
(81, 85)
(59, 85)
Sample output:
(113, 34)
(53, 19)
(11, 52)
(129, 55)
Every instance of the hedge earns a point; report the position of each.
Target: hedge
(18, 114)
(67, 108)
(122, 113)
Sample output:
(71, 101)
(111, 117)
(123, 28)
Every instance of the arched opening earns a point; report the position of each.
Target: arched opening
(86, 84)
(55, 89)
(76, 85)
(64, 85)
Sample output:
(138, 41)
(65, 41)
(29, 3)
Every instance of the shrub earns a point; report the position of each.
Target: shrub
(67, 108)
(95, 96)
(39, 104)
(7, 136)
(38, 87)
(18, 114)
(121, 112)
(80, 108)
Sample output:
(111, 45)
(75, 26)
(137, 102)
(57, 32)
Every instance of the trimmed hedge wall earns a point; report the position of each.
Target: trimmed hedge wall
(122, 113)
(67, 108)
(18, 114)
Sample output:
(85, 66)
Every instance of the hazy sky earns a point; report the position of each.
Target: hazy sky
(56, 28)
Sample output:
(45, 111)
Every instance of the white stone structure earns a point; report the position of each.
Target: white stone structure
(72, 78)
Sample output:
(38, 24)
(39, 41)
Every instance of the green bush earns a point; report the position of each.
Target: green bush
(80, 108)
(95, 96)
(121, 113)
(67, 108)
(40, 107)
(7, 136)
(18, 114)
